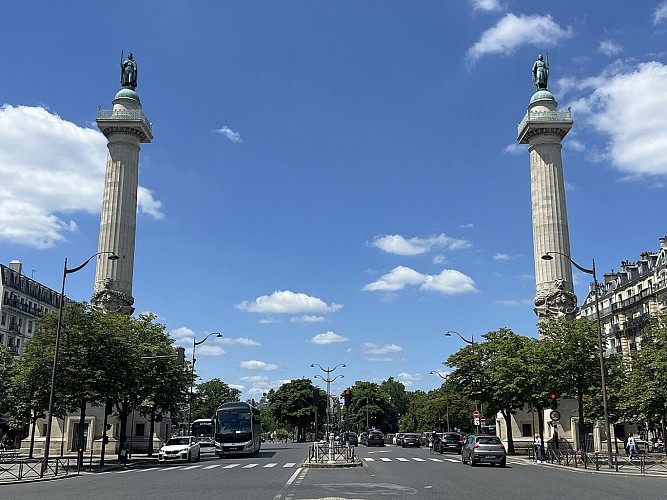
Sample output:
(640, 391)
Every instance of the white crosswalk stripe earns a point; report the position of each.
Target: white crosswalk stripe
(250, 466)
(212, 466)
(435, 460)
(418, 459)
(230, 466)
(290, 464)
(401, 459)
(385, 459)
(369, 459)
(268, 466)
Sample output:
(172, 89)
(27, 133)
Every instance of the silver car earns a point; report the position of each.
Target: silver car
(483, 449)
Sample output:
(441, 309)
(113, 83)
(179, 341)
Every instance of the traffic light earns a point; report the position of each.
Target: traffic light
(348, 397)
(180, 355)
(554, 401)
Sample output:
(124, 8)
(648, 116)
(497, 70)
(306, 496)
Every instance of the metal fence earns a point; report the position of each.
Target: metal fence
(13, 468)
(642, 463)
(326, 453)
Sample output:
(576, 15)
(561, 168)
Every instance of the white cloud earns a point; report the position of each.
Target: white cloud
(209, 350)
(328, 338)
(229, 134)
(50, 169)
(467, 225)
(486, 5)
(257, 365)
(255, 379)
(515, 148)
(448, 282)
(439, 259)
(660, 13)
(515, 302)
(268, 321)
(380, 350)
(403, 377)
(241, 341)
(308, 319)
(513, 31)
(287, 302)
(630, 97)
(501, 256)
(610, 48)
(398, 245)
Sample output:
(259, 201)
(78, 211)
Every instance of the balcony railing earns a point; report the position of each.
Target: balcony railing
(545, 116)
(125, 114)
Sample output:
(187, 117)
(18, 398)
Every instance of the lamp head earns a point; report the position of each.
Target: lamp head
(219, 335)
(547, 256)
(432, 372)
(113, 257)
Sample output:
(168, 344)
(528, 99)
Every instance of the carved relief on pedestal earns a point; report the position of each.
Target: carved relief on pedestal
(111, 300)
(556, 302)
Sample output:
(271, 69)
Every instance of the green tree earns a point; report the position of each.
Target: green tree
(292, 404)
(369, 407)
(210, 395)
(399, 401)
(575, 345)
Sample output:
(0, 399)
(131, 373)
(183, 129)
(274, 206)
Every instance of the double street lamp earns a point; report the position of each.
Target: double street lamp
(195, 343)
(443, 377)
(61, 306)
(603, 374)
(328, 380)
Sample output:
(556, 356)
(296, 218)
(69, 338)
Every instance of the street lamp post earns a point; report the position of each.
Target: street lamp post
(195, 343)
(603, 374)
(434, 372)
(471, 341)
(54, 370)
(328, 380)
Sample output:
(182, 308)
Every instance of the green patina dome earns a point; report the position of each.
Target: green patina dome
(542, 95)
(126, 93)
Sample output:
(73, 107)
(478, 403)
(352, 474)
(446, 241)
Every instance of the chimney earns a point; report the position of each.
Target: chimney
(16, 266)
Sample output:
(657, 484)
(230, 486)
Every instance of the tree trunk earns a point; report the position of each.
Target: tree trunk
(507, 415)
(122, 438)
(33, 421)
(150, 432)
(582, 426)
(540, 426)
(81, 440)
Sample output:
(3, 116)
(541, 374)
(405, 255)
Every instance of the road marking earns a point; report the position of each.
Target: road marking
(250, 466)
(453, 460)
(267, 466)
(435, 460)
(212, 466)
(418, 459)
(385, 459)
(125, 471)
(290, 464)
(146, 470)
(192, 467)
(369, 459)
(403, 459)
(289, 483)
(230, 466)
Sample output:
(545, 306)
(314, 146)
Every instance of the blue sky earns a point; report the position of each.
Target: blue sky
(331, 182)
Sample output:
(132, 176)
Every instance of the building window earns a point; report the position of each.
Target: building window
(140, 429)
(4, 318)
(526, 430)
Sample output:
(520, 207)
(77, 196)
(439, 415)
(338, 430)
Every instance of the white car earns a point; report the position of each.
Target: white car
(180, 448)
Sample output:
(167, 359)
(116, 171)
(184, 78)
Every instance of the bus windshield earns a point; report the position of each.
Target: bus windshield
(232, 421)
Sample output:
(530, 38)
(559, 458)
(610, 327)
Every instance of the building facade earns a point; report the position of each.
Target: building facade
(23, 301)
(627, 298)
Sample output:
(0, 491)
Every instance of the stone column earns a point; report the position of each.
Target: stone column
(543, 128)
(125, 127)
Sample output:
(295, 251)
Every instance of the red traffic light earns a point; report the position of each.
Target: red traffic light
(553, 396)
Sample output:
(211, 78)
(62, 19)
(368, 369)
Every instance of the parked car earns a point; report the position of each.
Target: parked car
(451, 441)
(353, 439)
(478, 449)
(425, 438)
(180, 448)
(410, 439)
(375, 438)
(389, 438)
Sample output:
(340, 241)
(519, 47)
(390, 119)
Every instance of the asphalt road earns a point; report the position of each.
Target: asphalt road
(275, 474)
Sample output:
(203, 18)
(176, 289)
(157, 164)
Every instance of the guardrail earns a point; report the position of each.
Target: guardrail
(641, 463)
(326, 453)
(13, 468)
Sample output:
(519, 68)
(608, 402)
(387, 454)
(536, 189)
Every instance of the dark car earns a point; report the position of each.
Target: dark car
(451, 441)
(375, 438)
(478, 449)
(410, 439)
(353, 439)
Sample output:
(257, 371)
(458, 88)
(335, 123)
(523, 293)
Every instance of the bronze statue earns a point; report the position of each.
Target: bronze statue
(541, 73)
(128, 72)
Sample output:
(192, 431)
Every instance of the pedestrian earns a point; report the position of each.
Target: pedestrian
(124, 451)
(632, 446)
(537, 447)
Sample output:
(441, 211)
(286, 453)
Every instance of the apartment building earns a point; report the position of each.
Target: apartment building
(23, 300)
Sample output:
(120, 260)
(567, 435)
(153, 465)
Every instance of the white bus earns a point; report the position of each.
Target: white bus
(238, 430)
(202, 429)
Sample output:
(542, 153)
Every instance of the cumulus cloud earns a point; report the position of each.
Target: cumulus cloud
(377, 352)
(513, 31)
(307, 318)
(229, 134)
(50, 169)
(413, 377)
(660, 13)
(486, 5)
(257, 365)
(501, 256)
(610, 48)
(287, 302)
(448, 282)
(240, 341)
(184, 337)
(255, 379)
(328, 338)
(629, 96)
(398, 245)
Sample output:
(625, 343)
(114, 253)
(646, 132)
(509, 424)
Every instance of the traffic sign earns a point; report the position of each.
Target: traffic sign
(555, 415)
(475, 414)
(482, 420)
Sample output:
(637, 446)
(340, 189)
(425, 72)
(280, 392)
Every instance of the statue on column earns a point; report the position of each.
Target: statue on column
(541, 73)
(128, 72)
